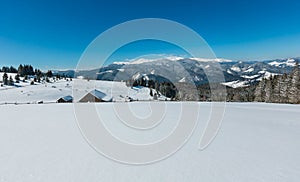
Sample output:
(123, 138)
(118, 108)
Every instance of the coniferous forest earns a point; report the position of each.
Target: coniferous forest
(280, 88)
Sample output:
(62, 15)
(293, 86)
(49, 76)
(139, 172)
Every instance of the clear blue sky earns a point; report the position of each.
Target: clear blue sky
(53, 34)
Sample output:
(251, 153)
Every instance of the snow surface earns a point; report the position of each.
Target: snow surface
(228, 71)
(236, 84)
(275, 63)
(142, 60)
(266, 74)
(249, 70)
(257, 142)
(169, 58)
(8, 74)
(196, 78)
(250, 77)
(152, 72)
(289, 62)
(51, 92)
(182, 80)
(235, 68)
(121, 70)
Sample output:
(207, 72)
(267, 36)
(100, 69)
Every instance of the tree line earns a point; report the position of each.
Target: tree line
(280, 88)
(276, 89)
(10, 69)
(24, 71)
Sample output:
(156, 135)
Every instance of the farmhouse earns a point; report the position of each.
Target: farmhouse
(96, 96)
(65, 99)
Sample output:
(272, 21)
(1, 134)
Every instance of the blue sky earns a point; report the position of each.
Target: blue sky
(54, 34)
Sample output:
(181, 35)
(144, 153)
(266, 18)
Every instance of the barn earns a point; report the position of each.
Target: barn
(65, 99)
(96, 96)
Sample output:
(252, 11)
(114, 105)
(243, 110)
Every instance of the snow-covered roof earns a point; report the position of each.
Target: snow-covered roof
(67, 98)
(100, 95)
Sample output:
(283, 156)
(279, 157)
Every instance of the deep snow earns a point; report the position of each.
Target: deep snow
(257, 142)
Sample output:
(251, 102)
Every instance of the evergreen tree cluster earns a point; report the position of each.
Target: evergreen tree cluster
(25, 71)
(166, 88)
(241, 94)
(10, 69)
(280, 88)
(7, 80)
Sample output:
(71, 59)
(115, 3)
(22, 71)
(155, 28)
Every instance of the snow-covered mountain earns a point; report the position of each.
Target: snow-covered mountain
(246, 73)
(193, 70)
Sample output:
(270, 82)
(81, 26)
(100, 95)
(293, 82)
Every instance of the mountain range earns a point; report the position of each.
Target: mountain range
(194, 70)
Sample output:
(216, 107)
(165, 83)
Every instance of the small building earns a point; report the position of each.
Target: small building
(96, 96)
(40, 102)
(66, 99)
(128, 99)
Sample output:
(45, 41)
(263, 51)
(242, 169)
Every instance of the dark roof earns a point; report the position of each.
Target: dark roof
(67, 98)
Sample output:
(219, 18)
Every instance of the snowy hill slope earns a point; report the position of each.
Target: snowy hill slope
(51, 92)
(257, 142)
(8, 74)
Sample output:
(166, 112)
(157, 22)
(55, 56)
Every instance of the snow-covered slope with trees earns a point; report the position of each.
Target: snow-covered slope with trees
(280, 89)
(24, 92)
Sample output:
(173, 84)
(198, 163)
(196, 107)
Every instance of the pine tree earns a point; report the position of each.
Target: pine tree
(284, 88)
(49, 73)
(151, 92)
(269, 90)
(276, 91)
(20, 70)
(13, 70)
(293, 94)
(17, 78)
(260, 93)
(5, 79)
(10, 81)
(5, 69)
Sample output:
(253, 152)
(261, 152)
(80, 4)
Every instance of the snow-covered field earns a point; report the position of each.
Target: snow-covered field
(257, 142)
(51, 92)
